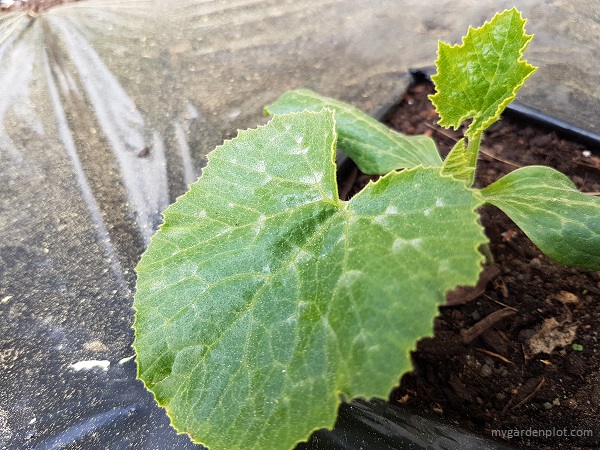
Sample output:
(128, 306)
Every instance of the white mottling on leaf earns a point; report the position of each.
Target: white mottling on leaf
(292, 320)
(440, 202)
(303, 257)
(315, 178)
(296, 200)
(381, 218)
(327, 325)
(399, 244)
(223, 231)
(302, 305)
(299, 151)
(360, 338)
(416, 243)
(374, 348)
(307, 179)
(391, 210)
(349, 278)
(260, 222)
(260, 166)
(444, 266)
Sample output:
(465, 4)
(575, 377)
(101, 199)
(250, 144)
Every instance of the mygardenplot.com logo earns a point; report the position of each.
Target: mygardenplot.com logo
(543, 433)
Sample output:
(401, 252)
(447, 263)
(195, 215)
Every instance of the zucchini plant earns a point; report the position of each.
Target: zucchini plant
(264, 299)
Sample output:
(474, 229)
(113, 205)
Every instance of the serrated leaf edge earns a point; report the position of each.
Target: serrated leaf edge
(342, 205)
(502, 106)
(166, 213)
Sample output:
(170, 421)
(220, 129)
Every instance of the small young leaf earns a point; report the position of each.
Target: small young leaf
(264, 297)
(374, 148)
(563, 222)
(460, 163)
(479, 78)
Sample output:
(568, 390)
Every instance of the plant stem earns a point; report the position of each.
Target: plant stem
(473, 148)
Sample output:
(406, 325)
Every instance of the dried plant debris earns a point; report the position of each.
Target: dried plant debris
(550, 335)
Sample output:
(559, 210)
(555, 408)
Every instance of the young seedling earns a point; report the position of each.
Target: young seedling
(264, 298)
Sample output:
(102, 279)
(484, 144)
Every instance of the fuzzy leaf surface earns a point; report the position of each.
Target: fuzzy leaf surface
(562, 221)
(480, 77)
(374, 148)
(263, 297)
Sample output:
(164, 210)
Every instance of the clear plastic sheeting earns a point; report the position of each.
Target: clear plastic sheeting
(566, 47)
(107, 111)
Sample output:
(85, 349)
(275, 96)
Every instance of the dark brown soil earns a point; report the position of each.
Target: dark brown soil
(35, 6)
(479, 370)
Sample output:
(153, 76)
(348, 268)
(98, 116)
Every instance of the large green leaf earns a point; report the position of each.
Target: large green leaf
(480, 77)
(563, 222)
(263, 297)
(375, 148)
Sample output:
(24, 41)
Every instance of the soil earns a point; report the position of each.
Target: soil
(522, 350)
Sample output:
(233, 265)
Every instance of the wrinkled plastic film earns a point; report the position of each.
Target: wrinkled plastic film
(107, 111)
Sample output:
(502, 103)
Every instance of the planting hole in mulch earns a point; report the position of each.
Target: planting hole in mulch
(521, 351)
(33, 6)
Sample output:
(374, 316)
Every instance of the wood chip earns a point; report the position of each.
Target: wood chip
(495, 355)
(532, 394)
(524, 394)
(488, 321)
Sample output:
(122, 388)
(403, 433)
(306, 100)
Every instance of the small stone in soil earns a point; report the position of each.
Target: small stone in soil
(535, 263)
(486, 371)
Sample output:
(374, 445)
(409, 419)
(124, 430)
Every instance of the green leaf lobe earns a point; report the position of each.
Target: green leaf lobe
(263, 297)
(374, 148)
(480, 77)
(547, 206)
